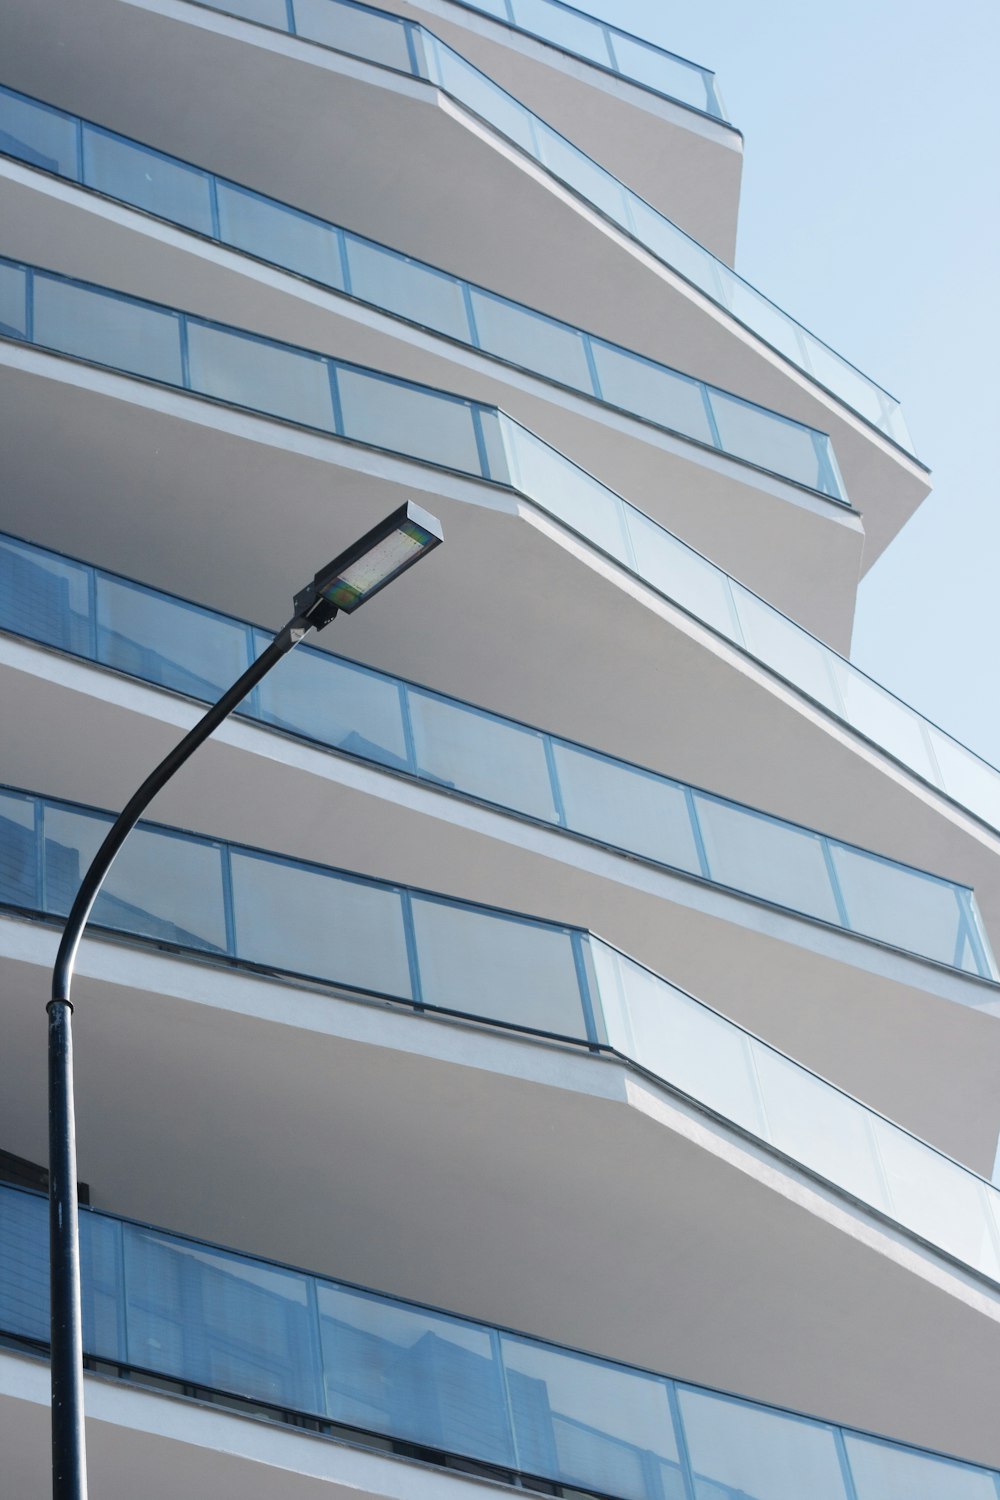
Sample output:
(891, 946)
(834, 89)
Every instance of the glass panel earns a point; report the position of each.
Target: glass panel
(267, 377)
(965, 777)
(567, 492)
(628, 808)
(591, 1424)
(499, 968)
(218, 1319)
(684, 1043)
(682, 575)
(13, 301)
(766, 858)
(739, 1449)
(574, 32)
(758, 313)
(481, 755)
(492, 427)
(147, 179)
(936, 1198)
(18, 852)
(24, 1264)
(314, 694)
(531, 340)
(102, 327)
(279, 234)
(837, 375)
(787, 650)
(408, 419)
(892, 725)
(268, 12)
(44, 597)
(406, 287)
(164, 641)
(476, 91)
(763, 438)
(103, 1294)
(884, 1472)
(582, 174)
(304, 920)
(897, 905)
(818, 1126)
(42, 137)
(413, 1374)
(657, 394)
(363, 33)
(163, 887)
(661, 73)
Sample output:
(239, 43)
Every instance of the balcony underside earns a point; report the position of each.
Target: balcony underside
(686, 164)
(931, 1038)
(310, 101)
(798, 549)
(496, 1177)
(229, 509)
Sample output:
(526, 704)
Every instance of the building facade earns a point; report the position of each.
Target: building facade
(549, 1038)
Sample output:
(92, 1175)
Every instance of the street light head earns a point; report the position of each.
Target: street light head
(380, 556)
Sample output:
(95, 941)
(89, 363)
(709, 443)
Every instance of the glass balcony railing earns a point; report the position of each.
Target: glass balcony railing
(607, 46)
(389, 41)
(381, 719)
(363, 406)
(279, 1342)
(335, 258)
(448, 957)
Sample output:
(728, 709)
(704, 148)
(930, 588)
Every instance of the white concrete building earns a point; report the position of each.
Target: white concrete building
(550, 1038)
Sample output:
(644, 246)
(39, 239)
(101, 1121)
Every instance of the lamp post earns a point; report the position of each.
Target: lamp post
(345, 584)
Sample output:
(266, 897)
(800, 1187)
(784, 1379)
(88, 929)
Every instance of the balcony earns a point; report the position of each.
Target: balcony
(339, 400)
(284, 1345)
(746, 482)
(652, 118)
(448, 1130)
(402, 116)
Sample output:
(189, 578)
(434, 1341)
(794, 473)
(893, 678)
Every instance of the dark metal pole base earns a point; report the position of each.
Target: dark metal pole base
(69, 1453)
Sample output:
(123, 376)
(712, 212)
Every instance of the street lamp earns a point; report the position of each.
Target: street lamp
(345, 584)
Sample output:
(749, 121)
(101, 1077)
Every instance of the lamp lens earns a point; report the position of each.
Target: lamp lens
(369, 572)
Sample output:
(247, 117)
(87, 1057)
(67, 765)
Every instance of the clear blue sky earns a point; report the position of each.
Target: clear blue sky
(871, 211)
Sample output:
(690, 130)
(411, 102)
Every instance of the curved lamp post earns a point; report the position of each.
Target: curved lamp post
(345, 584)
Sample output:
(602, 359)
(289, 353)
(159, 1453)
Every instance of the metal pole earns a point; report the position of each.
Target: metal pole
(69, 1452)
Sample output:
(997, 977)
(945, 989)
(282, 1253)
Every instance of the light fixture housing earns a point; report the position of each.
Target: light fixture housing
(351, 579)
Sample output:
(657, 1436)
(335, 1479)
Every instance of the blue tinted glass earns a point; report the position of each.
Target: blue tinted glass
(18, 851)
(42, 137)
(103, 1292)
(221, 1320)
(13, 301)
(881, 1471)
(527, 338)
(412, 1374)
(305, 921)
(736, 1448)
(406, 419)
(762, 438)
(657, 394)
(564, 27)
(483, 756)
(591, 1424)
(363, 33)
(44, 597)
(266, 377)
(406, 287)
(161, 886)
(156, 183)
(503, 970)
(267, 12)
(628, 808)
(279, 234)
(167, 642)
(24, 1264)
(897, 905)
(765, 858)
(345, 707)
(99, 326)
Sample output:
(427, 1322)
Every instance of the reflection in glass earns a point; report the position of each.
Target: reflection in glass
(883, 1471)
(42, 137)
(353, 710)
(168, 642)
(107, 330)
(18, 851)
(413, 1374)
(45, 597)
(408, 419)
(631, 809)
(13, 301)
(503, 969)
(293, 917)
